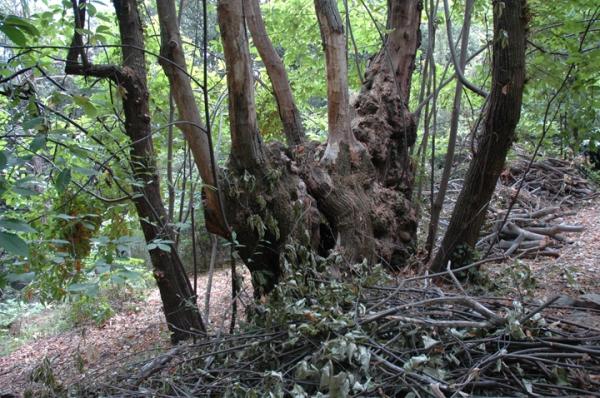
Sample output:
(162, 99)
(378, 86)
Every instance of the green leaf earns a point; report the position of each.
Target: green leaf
(59, 242)
(33, 123)
(23, 191)
(86, 104)
(15, 225)
(163, 247)
(65, 217)
(428, 342)
(63, 180)
(85, 171)
(22, 23)
(91, 9)
(13, 244)
(23, 278)
(38, 143)
(103, 29)
(415, 362)
(14, 35)
(131, 275)
(78, 151)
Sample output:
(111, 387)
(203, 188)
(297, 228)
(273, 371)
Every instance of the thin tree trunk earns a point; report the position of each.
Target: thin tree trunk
(288, 111)
(459, 70)
(246, 145)
(182, 315)
(502, 116)
(170, 183)
(338, 100)
(427, 81)
(176, 292)
(441, 195)
(194, 131)
(211, 270)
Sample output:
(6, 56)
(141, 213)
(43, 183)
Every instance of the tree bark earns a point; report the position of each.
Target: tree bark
(384, 124)
(263, 195)
(194, 131)
(383, 120)
(246, 145)
(179, 302)
(288, 111)
(181, 312)
(501, 119)
(338, 97)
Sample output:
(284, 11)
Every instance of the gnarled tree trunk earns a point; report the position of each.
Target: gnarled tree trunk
(502, 116)
(350, 195)
(384, 124)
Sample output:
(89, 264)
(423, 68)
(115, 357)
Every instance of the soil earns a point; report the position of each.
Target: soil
(131, 335)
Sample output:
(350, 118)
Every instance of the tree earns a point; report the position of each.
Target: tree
(352, 195)
(194, 130)
(288, 111)
(179, 304)
(501, 118)
(439, 199)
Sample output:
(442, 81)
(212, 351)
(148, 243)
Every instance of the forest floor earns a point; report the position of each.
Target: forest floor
(136, 333)
(139, 332)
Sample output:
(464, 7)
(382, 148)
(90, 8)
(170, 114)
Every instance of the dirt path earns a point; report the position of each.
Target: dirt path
(134, 334)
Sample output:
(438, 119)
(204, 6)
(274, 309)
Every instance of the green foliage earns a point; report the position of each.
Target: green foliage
(23, 322)
(64, 163)
(17, 29)
(563, 63)
(90, 309)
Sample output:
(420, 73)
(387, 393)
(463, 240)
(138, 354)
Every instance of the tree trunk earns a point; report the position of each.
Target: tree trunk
(179, 302)
(246, 144)
(194, 131)
(338, 97)
(179, 305)
(288, 112)
(332, 197)
(261, 193)
(502, 117)
(387, 128)
(436, 209)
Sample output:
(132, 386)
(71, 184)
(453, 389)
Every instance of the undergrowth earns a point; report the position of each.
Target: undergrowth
(363, 334)
(24, 321)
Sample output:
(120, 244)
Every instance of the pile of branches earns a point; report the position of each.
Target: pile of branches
(554, 180)
(321, 336)
(536, 195)
(530, 233)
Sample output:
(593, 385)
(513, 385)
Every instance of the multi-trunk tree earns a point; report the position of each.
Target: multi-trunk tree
(350, 195)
